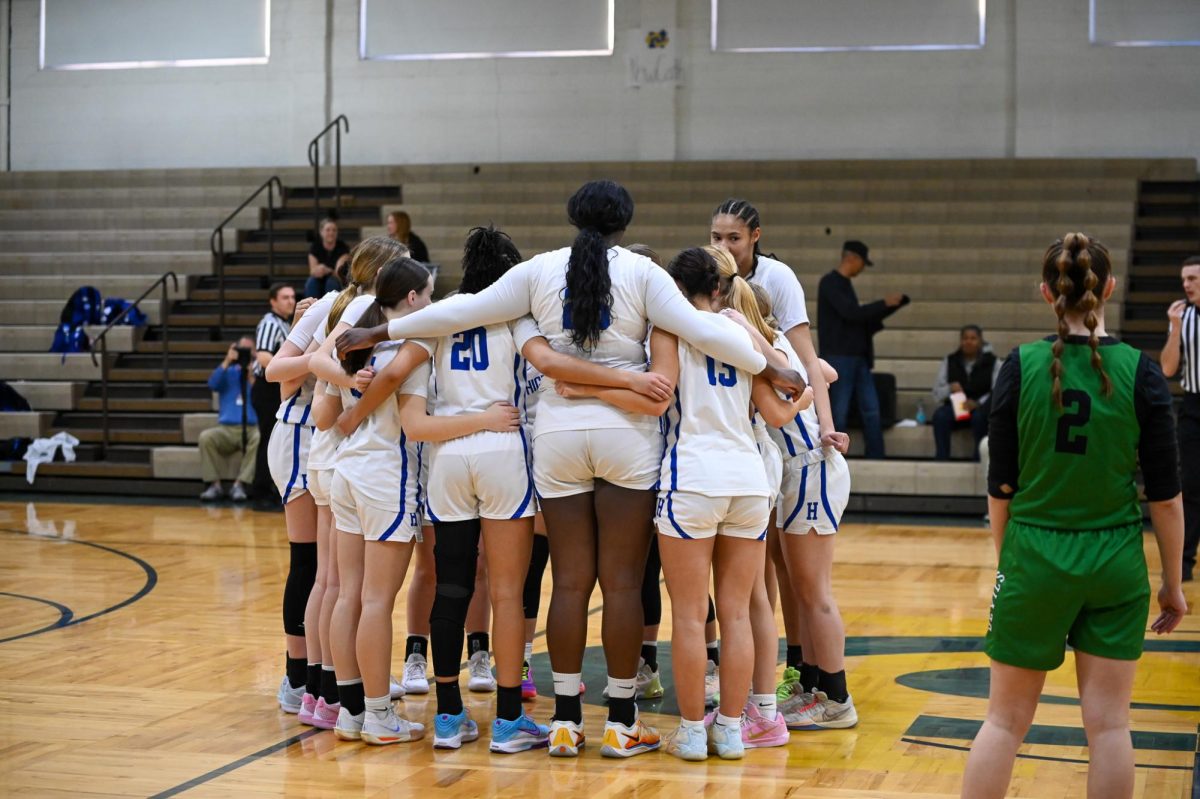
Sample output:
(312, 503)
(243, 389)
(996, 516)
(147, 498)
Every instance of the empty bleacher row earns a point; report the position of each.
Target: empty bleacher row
(962, 238)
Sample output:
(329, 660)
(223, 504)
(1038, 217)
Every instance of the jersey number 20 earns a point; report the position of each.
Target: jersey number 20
(1077, 411)
(727, 377)
(469, 350)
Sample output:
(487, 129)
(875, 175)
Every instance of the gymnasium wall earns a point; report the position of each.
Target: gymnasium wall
(1038, 88)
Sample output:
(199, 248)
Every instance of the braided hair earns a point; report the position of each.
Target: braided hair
(598, 209)
(487, 255)
(747, 213)
(1076, 269)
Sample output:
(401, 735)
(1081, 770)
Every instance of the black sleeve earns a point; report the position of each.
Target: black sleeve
(1003, 465)
(417, 248)
(340, 249)
(316, 250)
(1157, 446)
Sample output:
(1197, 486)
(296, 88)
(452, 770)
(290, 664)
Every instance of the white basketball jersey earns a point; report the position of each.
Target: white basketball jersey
(621, 343)
(523, 330)
(313, 320)
(474, 369)
(803, 433)
(710, 445)
(377, 457)
(324, 444)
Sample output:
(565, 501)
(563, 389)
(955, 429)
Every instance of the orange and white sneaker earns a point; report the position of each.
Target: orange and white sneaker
(565, 738)
(622, 741)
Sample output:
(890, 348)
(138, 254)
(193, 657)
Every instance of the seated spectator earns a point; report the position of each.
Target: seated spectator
(399, 227)
(231, 381)
(325, 257)
(971, 370)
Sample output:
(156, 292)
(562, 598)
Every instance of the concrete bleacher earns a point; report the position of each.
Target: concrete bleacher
(963, 238)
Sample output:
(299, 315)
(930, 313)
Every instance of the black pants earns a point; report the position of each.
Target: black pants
(944, 424)
(1189, 465)
(264, 397)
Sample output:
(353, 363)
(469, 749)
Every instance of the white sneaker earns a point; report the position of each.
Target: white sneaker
(395, 687)
(712, 683)
(289, 698)
(479, 672)
(416, 679)
(726, 742)
(349, 727)
(565, 738)
(824, 714)
(647, 683)
(392, 729)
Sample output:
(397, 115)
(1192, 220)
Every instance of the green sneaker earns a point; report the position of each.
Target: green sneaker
(789, 684)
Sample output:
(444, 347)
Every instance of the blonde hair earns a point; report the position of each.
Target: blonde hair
(1076, 269)
(764, 306)
(366, 259)
(736, 293)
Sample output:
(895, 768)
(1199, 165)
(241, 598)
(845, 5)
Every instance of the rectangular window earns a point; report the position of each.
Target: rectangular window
(417, 30)
(819, 26)
(132, 34)
(1144, 23)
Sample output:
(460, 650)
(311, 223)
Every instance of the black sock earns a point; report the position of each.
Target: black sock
(416, 645)
(329, 687)
(714, 654)
(508, 703)
(312, 682)
(622, 711)
(568, 708)
(476, 642)
(650, 655)
(297, 670)
(795, 655)
(834, 685)
(809, 674)
(449, 700)
(352, 697)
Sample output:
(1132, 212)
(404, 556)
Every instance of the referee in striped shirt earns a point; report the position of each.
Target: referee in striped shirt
(272, 329)
(1182, 355)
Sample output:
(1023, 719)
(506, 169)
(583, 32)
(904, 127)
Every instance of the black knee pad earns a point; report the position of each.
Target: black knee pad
(712, 611)
(455, 554)
(651, 593)
(532, 594)
(302, 573)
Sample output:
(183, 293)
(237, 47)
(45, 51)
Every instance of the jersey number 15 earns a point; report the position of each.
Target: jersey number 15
(727, 376)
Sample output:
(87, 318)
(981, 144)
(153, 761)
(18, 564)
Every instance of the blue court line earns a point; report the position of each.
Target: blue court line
(71, 621)
(937, 745)
(64, 614)
(228, 767)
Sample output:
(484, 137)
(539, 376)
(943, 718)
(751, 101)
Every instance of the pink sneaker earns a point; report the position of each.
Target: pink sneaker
(307, 705)
(528, 689)
(325, 716)
(759, 733)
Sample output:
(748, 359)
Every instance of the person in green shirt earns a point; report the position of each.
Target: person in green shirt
(1073, 416)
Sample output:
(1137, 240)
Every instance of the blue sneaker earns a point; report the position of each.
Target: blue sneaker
(519, 735)
(451, 732)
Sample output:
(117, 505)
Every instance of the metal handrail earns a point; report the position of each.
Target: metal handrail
(102, 340)
(216, 242)
(314, 160)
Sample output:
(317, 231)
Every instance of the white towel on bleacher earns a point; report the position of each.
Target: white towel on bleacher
(42, 450)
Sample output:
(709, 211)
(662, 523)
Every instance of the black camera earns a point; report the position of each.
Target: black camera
(244, 356)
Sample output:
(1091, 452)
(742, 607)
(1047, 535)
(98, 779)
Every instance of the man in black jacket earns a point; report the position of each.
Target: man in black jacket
(970, 370)
(846, 329)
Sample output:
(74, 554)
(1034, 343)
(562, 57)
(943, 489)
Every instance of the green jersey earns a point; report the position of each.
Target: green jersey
(1077, 465)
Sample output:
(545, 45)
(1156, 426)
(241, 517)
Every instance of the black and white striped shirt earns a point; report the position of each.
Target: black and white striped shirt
(269, 336)
(1189, 345)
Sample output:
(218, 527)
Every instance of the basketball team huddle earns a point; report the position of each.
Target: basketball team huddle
(594, 408)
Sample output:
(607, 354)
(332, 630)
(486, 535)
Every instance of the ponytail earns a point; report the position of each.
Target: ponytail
(598, 210)
(487, 255)
(395, 281)
(1076, 269)
(736, 292)
(366, 259)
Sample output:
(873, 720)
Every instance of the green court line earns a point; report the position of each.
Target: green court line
(965, 729)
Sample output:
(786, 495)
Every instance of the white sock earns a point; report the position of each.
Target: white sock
(326, 667)
(619, 688)
(688, 724)
(528, 651)
(728, 721)
(766, 705)
(566, 684)
(379, 705)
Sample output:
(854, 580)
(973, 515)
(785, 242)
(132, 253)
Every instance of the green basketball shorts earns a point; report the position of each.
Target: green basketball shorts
(1087, 589)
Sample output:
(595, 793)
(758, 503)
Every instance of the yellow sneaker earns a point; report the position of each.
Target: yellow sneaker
(565, 738)
(622, 741)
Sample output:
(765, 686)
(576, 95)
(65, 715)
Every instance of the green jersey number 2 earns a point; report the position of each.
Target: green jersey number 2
(1077, 412)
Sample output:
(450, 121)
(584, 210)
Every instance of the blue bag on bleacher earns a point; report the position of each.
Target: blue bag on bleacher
(113, 307)
(83, 308)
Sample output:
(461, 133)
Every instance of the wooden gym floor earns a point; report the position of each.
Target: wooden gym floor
(140, 650)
